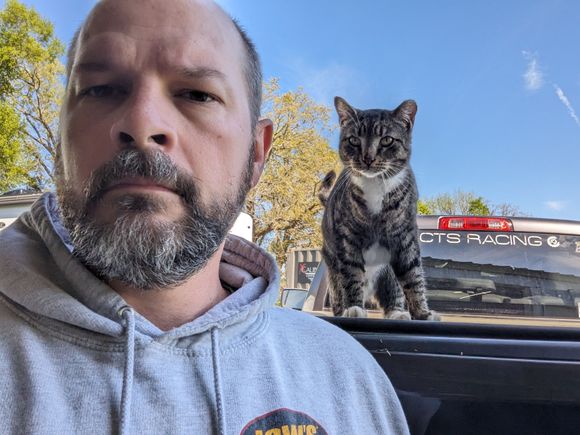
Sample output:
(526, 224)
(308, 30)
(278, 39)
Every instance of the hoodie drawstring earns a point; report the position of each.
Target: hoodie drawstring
(217, 381)
(127, 314)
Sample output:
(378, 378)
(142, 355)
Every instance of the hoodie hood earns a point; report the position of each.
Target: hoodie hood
(35, 253)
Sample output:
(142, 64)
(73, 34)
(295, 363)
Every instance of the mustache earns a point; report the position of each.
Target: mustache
(155, 166)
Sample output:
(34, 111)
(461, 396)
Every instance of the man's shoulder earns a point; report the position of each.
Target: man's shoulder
(307, 330)
(19, 236)
(322, 355)
(306, 321)
(21, 250)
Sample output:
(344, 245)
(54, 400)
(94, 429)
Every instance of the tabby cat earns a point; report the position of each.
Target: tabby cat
(369, 226)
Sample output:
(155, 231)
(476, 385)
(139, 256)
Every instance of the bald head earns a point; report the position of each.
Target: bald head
(250, 61)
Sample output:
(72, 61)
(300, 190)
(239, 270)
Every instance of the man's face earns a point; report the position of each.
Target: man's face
(156, 82)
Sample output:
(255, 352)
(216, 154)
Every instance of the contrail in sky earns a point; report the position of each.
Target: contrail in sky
(567, 103)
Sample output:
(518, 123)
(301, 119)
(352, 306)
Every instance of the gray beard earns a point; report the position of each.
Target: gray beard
(139, 249)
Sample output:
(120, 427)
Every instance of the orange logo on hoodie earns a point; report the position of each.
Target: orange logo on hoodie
(283, 422)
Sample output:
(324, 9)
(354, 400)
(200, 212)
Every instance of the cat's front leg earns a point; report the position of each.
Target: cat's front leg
(353, 283)
(389, 294)
(410, 275)
(335, 293)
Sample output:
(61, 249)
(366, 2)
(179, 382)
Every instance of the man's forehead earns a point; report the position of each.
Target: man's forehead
(118, 48)
(172, 30)
(150, 20)
(157, 11)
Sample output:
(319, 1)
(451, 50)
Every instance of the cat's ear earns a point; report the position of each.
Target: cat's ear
(345, 111)
(406, 112)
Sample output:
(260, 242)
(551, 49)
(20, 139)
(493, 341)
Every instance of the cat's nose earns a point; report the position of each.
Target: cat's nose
(368, 160)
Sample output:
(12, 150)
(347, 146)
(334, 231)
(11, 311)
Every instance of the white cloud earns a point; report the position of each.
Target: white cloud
(556, 205)
(567, 103)
(534, 80)
(324, 83)
(533, 77)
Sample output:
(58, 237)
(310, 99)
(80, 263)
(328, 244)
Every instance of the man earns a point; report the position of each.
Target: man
(124, 306)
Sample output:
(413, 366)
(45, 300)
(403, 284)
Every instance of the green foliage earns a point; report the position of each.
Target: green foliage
(30, 84)
(24, 37)
(466, 203)
(478, 207)
(423, 208)
(12, 162)
(450, 204)
(284, 204)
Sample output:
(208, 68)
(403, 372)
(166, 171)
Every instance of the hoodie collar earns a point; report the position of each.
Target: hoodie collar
(48, 280)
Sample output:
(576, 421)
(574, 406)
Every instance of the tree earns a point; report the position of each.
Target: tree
(284, 205)
(423, 208)
(13, 164)
(506, 209)
(31, 85)
(451, 204)
(478, 207)
(466, 203)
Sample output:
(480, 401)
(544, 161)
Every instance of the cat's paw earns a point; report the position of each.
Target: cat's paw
(398, 315)
(354, 311)
(428, 315)
(434, 316)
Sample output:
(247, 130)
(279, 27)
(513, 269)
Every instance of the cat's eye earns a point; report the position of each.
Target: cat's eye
(354, 141)
(386, 141)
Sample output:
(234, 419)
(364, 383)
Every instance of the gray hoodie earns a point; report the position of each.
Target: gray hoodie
(75, 359)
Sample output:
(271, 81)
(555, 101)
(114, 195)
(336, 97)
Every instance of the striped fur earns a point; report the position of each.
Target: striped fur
(369, 225)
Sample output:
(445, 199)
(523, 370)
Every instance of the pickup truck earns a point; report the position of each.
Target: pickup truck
(505, 359)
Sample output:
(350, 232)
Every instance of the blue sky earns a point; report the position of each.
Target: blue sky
(497, 83)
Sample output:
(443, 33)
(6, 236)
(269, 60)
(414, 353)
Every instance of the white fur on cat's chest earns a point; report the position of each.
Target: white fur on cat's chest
(375, 259)
(375, 188)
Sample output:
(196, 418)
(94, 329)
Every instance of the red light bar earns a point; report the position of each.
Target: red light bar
(474, 223)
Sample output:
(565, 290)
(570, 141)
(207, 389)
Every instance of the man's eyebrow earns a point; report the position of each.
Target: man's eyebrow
(187, 72)
(200, 73)
(91, 66)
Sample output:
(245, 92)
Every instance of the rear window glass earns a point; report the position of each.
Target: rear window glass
(532, 251)
(523, 274)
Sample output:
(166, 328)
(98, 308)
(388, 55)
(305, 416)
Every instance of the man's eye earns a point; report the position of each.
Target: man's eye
(101, 91)
(197, 96)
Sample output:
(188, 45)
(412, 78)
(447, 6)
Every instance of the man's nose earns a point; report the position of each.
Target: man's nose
(144, 121)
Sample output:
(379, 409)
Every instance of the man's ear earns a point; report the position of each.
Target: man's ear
(262, 143)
